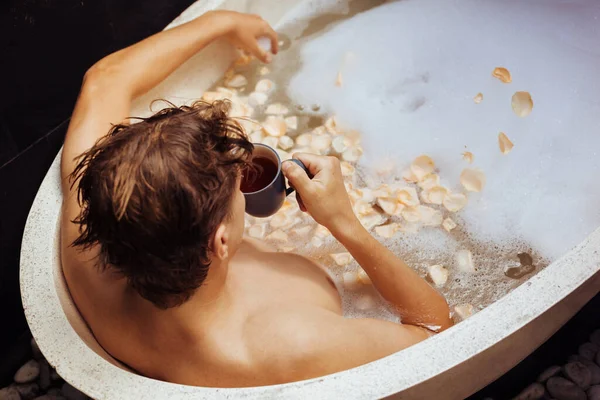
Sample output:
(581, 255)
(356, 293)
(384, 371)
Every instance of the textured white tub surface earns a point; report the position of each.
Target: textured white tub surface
(450, 365)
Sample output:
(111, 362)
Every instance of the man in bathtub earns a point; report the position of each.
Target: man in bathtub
(152, 237)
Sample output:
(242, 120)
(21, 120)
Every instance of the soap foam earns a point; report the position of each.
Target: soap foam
(410, 71)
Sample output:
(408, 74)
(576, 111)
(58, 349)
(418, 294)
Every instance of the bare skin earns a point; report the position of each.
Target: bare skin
(261, 317)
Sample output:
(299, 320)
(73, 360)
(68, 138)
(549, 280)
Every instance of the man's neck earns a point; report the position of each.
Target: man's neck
(204, 307)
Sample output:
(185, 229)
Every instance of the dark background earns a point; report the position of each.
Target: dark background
(45, 48)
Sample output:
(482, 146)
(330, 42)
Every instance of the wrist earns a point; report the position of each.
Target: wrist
(344, 228)
(219, 20)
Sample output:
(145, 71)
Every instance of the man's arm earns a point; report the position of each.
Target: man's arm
(326, 199)
(112, 83)
(311, 342)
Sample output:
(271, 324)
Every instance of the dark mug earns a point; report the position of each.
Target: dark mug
(265, 191)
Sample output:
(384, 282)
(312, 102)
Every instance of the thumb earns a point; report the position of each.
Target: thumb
(295, 175)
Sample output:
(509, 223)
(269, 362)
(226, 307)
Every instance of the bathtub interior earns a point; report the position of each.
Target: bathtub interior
(69, 345)
(499, 226)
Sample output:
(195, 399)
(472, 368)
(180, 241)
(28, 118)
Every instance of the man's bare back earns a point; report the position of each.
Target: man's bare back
(260, 317)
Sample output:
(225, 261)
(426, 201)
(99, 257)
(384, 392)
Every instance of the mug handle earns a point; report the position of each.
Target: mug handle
(290, 190)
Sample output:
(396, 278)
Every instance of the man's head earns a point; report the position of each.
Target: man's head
(161, 199)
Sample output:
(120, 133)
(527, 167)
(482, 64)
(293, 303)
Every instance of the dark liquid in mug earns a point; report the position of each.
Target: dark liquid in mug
(260, 177)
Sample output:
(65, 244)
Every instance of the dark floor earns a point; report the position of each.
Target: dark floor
(46, 47)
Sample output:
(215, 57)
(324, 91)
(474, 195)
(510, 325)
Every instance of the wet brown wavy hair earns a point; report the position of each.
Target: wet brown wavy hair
(153, 193)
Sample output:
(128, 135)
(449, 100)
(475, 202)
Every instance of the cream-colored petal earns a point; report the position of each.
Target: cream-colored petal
(264, 71)
(438, 275)
(265, 86)
(472, 179)
(409, 176)
(321, 143)
(347, 168)
(410, 227)
(243, 60)
(411, 214)
(430, 216)
(455, 201)
(350, 280)
(257, 136)
(322, 232)
(286, 143)
(304, 139)
(214, 96)
(429, 181)
(522, 104)
(287, 249)
(478, 98)
(303, 231)
(464, 261)
(422, 166)
(316, 241)
(271, 141)
(283, 155)
(277, 109)
(341, 259)
(319, 130)
(388, 205)
(256, 99)
(291, 222)
(370, 221)
(278, 220)
(464, 311)
(354, 196)
(387, 231)
(504, 143)
(352, 154)
(468, 157)
(434, 195)
(274, 126)
(383, 190)
(248, 125)
(239, 109)
(277, 235)
(229, 92)
(339, 80)
(363, 277)
(332, 126)
(502, 74)
(448, 224)
(339, 144)
(353, 136)
(257, 231)
(367, 195)
(236, 81)
(362, 208)
(300, 149)
(408, 196)
(291, 122)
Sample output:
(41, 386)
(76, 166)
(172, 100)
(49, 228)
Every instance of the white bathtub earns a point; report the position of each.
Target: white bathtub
(451, 365)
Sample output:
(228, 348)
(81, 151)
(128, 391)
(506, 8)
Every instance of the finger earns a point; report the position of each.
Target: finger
(312, 162)
(271, 34)
(300, 203)
(258, 52)
(295, 175)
